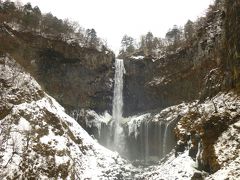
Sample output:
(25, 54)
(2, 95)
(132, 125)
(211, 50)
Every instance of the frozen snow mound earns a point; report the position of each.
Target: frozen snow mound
(39, 140)
(181, 167)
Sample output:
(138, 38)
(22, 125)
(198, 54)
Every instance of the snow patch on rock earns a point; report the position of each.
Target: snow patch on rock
(181, 167)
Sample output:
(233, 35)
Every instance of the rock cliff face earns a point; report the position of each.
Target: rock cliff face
(193, 71)
(231, 47)
(198, 135)
(77, 77)
(205, 126)
(154, 85)
(197, 139)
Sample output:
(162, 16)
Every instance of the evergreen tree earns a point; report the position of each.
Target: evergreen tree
(188, 30)
(174, 37)
(8, 10)
(32, 16)
(127, 44)
(149, 43)
(92, 39)
(174, 34)
(142, 43)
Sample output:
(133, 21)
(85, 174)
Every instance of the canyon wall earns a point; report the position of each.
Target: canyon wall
(196, 70)
(77, 77)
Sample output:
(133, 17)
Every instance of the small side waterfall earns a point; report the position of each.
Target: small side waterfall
(160, 138)
(146, 143)
(148, 140)
(165, 139)
(118, 135)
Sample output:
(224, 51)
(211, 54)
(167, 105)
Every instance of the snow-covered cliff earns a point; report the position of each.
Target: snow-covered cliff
(39, 140)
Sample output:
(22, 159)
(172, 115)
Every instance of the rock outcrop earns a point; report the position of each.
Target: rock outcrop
(231, 47)
(38, 139)
(77, 77)
(202, 126)
(196, 139)
(193, 71)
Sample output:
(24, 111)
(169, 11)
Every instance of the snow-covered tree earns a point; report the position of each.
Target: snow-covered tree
(127, 45)
(188, 30)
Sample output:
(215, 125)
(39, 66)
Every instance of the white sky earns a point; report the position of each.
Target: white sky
(114, 18)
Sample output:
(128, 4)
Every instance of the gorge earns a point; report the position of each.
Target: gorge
(71, 109)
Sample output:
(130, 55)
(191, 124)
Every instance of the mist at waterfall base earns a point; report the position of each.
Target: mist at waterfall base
(148, 142)
(146, 137)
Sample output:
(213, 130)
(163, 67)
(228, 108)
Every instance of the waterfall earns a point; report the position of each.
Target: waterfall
(146, 142)
(165, 139)
(199, 155)
(160, 138)
(118, 136)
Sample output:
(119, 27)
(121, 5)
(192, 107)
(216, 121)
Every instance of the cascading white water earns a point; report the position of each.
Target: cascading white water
(165, 139)
(151, 139)
(146, 143)
(118, 139)
(160, 138)
(199, 155)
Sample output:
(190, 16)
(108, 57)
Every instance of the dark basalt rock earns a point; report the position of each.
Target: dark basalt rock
(165, 82)
(180, 148)
(197, 176)
(196, 70)
(77, 77)
(193, 150)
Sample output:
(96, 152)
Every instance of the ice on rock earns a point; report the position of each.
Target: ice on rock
(134, 123)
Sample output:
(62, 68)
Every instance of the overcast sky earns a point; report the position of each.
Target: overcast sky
(114, 18)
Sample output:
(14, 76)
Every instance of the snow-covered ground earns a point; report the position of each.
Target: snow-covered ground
(181, 167)
(227, 149)
(38, 139)
(227, 146)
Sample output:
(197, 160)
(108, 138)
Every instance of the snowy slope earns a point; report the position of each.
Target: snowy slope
(182, 167)
(227, 149)
(39, 140)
